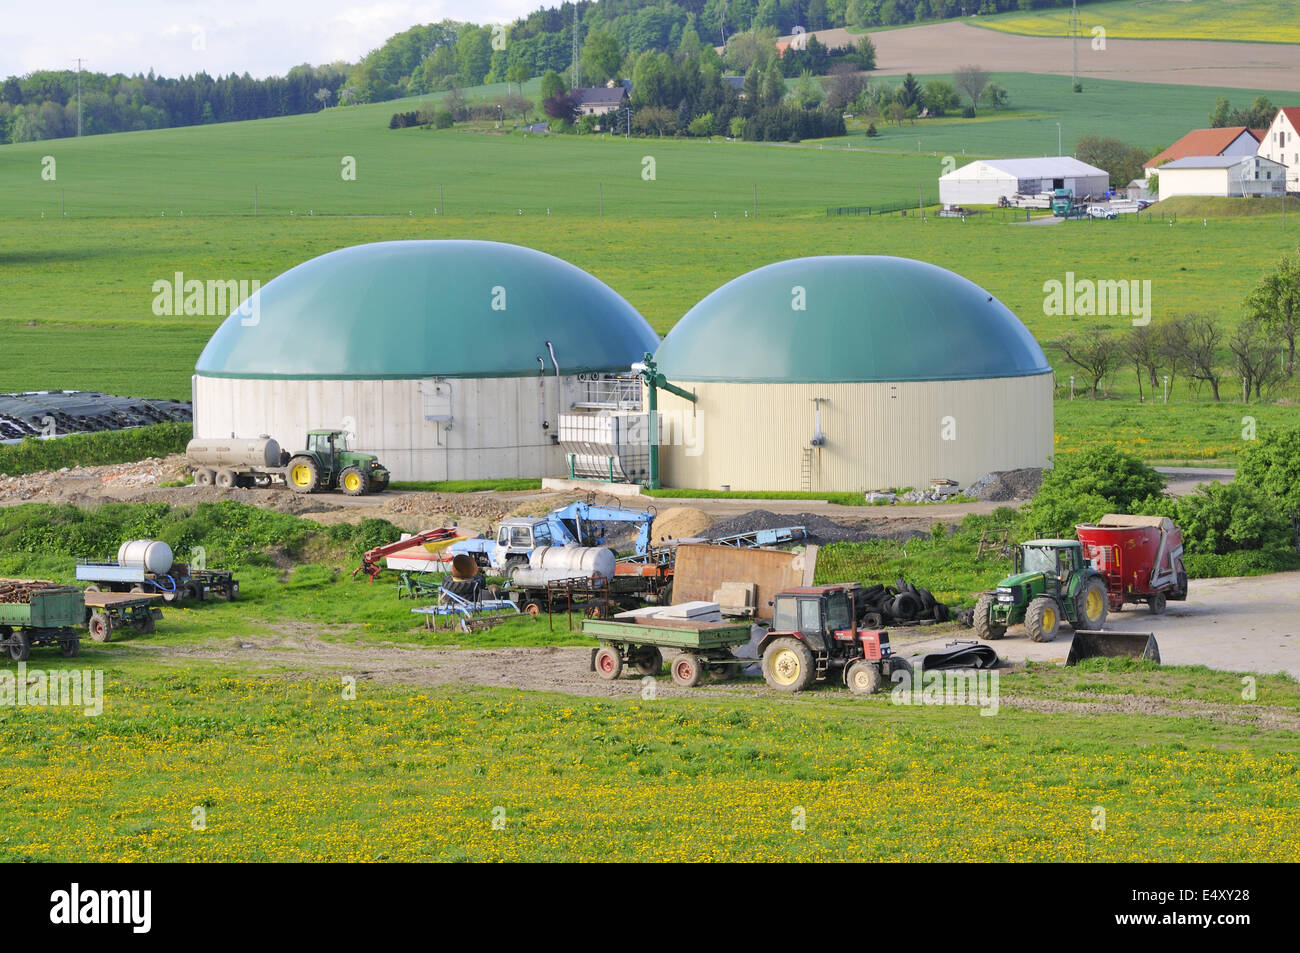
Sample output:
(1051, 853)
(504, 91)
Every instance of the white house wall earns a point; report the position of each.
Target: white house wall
(754, 436)
(496, 430)
(1283, 145)
(1174, 182)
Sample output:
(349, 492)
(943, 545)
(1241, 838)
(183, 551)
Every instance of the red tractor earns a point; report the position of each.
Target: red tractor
(815, 633)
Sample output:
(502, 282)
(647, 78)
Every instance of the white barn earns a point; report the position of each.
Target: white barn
(1227, 176)
(986, 181)
(1282, 145)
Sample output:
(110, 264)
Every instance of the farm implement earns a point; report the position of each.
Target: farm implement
(37, 613)
(107, 611)
(471, 615)
(703, 647)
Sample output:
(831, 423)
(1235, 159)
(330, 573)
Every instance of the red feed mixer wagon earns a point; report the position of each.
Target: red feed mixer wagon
(1141, 557)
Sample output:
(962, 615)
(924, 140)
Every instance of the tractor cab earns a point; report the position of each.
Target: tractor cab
(1055, 558)
(325, 444)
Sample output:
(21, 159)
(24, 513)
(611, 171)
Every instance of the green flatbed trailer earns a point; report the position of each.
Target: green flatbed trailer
(49, 618)
(702, 647)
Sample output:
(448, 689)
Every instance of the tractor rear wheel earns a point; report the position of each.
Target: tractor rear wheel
(354, 481)
(788, 665)
(1091, 605)
(303, 474)
(1042, 619)
(609, 663)
(863, 677)
(985, 627)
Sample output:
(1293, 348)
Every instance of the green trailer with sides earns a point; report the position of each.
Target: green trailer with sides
(45, 616)
(702, 647)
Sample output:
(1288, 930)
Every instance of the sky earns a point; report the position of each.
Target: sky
(175, 37)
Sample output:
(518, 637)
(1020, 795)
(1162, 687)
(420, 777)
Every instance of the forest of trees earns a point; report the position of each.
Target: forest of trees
(613, 35)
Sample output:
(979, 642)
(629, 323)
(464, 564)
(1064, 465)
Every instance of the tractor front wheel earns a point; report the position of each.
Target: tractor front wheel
(863, 677)
(1042, 619)
(1091, 605)
(304, 475)
(355, 482)
(788, 665)
(985, 627)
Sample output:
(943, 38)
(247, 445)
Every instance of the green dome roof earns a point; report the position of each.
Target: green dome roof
(864, 318)
(412, 309)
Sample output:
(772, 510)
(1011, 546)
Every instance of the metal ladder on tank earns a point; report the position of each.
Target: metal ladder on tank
(806, 470)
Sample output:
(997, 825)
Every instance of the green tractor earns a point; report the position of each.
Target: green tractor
(1052, 583)
(328, 464)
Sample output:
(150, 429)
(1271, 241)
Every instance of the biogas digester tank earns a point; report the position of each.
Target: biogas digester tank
(151, 555)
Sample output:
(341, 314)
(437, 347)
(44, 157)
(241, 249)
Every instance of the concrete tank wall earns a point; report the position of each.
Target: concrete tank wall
(756, 436)
(431, 429)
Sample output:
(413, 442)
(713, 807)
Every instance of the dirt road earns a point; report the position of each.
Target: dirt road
(937, 47)
(1249, 624)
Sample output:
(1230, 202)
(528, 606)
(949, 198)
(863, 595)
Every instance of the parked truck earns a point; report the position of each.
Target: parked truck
(1141, 558)
(325, 464)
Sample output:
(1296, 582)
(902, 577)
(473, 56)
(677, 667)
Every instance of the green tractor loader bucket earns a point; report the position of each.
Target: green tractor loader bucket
(1096, 644)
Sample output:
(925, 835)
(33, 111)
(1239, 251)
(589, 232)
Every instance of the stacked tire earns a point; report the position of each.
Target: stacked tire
(899, 604)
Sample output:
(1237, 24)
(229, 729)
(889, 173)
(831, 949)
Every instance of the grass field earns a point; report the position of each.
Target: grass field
(287, 769)
(1262, 21)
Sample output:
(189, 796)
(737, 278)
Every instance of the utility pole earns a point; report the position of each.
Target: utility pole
(79, 61)
(1074, 32)
(575, 46)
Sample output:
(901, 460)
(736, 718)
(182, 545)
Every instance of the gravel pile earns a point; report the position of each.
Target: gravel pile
(1007, 485)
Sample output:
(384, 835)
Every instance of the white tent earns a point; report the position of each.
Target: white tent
(986, 181)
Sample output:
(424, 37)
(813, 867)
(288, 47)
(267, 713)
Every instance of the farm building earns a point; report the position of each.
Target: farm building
(988, 180)
(849, 373)
(1238, 176)
(1222, 141)
(599, 100)
(1280, 144)
(448, 359)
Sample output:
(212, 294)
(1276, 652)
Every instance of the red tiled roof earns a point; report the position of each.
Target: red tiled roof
(1293, 114)
(1200, 142)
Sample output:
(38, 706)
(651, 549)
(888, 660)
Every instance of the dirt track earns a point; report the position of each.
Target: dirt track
(939, 47)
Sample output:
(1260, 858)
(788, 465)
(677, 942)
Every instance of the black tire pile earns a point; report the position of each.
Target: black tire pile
(899, 604)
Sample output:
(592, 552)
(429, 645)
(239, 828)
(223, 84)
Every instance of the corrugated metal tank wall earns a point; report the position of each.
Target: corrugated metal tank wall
(495, 429)
(753, 436)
